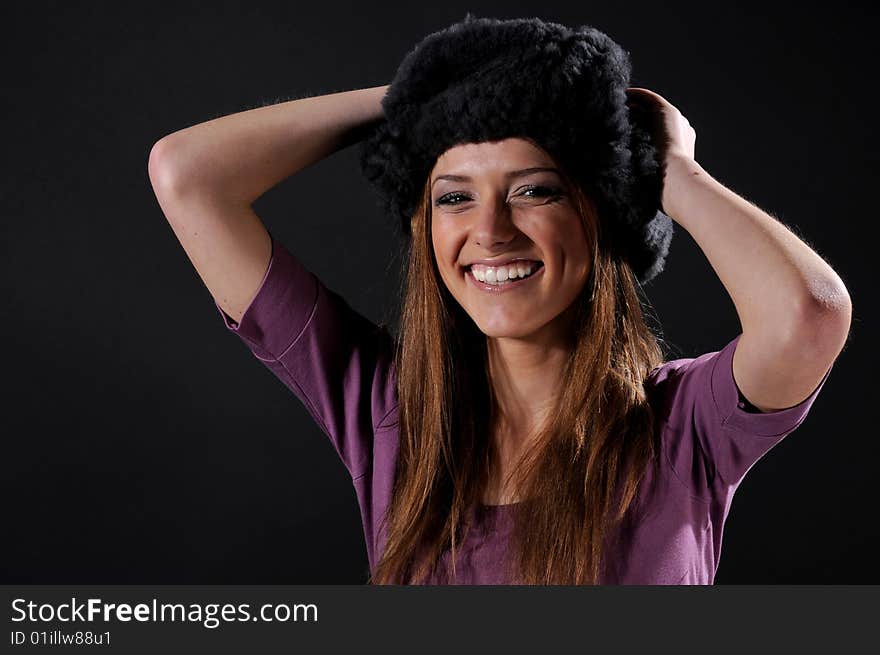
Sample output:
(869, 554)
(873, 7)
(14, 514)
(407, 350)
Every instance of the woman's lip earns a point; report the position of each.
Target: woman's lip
(501, 288)
(506, 262)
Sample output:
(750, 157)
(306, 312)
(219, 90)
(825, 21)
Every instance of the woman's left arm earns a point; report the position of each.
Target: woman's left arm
(794, 309)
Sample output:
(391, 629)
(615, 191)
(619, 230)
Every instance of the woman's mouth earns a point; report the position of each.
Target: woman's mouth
(503, 278)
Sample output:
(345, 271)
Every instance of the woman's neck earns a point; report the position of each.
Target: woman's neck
(525, 374)
(525, 377)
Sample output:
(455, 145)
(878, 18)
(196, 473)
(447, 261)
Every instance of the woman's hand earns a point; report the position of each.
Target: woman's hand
(674, 139)
(670, 130)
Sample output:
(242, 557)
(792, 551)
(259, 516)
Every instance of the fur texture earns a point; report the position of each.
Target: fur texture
(486, 79)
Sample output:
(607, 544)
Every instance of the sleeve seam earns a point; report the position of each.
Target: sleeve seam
(308, 322)
(278, 359)
(688, 488)
(387, 414)
(748, 433)
(311, 405)
(714, 392)
(317, 416)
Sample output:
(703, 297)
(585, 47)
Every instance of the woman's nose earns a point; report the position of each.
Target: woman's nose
(492, 224)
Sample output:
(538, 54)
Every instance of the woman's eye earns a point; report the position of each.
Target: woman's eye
(543, 191)
(447, 199)
(537, 191)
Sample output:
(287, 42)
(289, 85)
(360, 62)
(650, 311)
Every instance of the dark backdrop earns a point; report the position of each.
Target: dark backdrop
(142, 443)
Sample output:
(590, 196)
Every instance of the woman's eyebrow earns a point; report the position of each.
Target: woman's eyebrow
(509, 175)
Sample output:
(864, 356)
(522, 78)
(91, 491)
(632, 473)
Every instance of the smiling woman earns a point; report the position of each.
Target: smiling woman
(523, 426)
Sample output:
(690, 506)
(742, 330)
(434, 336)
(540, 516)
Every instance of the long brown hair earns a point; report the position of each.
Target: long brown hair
(593, 450)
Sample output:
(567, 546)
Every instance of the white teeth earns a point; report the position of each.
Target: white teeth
(502, 274)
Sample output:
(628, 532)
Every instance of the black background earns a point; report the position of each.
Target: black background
(142, 443)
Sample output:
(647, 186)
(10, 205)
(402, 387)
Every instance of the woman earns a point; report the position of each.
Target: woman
(523, 426)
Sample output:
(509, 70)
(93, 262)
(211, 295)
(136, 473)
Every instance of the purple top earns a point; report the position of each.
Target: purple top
(340, 365)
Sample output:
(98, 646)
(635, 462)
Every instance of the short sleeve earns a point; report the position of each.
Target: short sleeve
(337, 362)
(709, 437)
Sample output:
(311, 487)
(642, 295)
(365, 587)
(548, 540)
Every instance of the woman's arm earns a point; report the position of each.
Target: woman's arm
(245, 154)
(794, 309)
(205, 178)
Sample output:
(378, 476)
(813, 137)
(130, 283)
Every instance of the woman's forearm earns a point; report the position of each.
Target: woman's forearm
(245, 154)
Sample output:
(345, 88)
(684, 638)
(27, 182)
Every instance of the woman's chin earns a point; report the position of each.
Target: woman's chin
(505, 329)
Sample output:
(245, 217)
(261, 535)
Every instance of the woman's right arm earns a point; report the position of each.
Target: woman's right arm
(206, 177)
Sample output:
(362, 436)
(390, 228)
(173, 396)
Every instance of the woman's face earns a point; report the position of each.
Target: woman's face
(488, 216)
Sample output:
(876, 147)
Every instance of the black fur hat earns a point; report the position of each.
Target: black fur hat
(486, 79)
